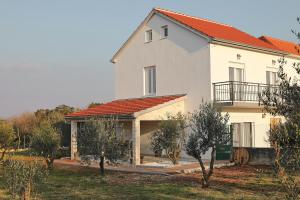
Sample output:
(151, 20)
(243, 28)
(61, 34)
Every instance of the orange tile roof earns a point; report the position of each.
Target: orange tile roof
(217, 30)
(123, 107)
(289, 47)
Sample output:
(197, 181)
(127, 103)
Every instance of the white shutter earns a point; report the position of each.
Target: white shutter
(231, 74)
(154, 80)
(268, 77)
(253, 133)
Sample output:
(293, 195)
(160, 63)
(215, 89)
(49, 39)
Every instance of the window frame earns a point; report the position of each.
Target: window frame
(147, 36)
(163, 31)
(239, 138)
(150, 81)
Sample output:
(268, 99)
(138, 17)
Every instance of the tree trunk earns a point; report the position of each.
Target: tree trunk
(212, 162)
(24, 141)
(101, 165)
(205, 181)
(2, 155)
(207, 174)
(50, 162)
(19, 138)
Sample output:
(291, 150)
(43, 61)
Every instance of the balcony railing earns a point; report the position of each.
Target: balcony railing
(235, 91)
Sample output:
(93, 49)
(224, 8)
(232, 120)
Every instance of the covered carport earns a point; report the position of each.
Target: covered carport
(139, 118)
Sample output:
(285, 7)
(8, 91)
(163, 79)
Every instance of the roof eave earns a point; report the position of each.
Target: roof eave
(142, 112)
(114, 58)
(87, 117)
(248, 47)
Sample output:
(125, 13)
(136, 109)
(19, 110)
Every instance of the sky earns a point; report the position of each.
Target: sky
(57, 52)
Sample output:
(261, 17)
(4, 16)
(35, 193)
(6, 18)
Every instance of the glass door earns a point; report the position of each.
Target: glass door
(236, 77)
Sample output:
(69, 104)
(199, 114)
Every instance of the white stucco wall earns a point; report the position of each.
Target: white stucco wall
(187, 64)
(255, 63)
(255, 66)
(181, 60)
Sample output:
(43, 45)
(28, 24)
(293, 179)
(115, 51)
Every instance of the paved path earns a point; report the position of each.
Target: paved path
(186, 168)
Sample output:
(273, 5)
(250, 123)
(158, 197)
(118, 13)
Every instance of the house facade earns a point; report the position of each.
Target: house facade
(173, 62)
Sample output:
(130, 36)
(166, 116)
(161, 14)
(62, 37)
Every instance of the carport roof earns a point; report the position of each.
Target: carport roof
(123, 107)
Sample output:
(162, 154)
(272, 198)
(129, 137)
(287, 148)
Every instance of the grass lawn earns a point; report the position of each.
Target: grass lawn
(67, 182)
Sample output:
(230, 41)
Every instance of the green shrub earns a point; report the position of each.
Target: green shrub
(21, 177)
(45, 142)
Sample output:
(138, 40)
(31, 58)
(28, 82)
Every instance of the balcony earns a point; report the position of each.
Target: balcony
(244, 94)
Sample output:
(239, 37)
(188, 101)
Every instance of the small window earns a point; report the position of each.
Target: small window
(148, 36)
(150, 80)
(165, 31)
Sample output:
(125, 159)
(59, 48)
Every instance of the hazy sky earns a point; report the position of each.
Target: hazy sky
(57, 51)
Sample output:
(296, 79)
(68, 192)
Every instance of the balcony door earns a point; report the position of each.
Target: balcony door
(236, 76)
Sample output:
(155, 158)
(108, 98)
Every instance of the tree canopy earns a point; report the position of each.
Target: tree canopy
(208, 129)
(7, 137)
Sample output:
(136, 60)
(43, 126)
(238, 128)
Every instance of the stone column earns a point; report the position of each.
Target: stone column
(136, 143)
(73, 140)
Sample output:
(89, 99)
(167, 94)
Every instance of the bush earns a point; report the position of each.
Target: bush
(99, 139)
(45, 142)
(21, 177)
(170, 137)
(6, 138)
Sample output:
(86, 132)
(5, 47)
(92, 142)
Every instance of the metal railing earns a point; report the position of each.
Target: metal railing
(235, 91)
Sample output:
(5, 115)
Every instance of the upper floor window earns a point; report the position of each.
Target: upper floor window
(271, 78)
(150, 80)
(236, 74)
(148, 36)
(165, 31)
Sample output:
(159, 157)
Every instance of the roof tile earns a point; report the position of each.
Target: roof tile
(123, 106)
(218, 30)
(289, 47)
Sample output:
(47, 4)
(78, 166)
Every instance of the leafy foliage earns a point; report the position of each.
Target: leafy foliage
(93, 104)
(21, 177)
(6, 138)
(45, 142)
(56, 117)
(285, 137)
(208, 129)
(23, 126)
(170, 137)
(102, 138)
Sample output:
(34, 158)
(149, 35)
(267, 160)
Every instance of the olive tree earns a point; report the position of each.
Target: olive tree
(170, 137)
(21, 177)
(208, 129)
(6, 138)
(100, 139)
(45, 142)
(285, 137)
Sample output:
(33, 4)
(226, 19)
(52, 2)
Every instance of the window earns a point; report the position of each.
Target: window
(148, 36)
(165, 31)
(236, 74)
(243, 134)
(271, 77)
(150, 80)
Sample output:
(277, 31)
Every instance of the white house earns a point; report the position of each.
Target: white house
(173, 62)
